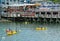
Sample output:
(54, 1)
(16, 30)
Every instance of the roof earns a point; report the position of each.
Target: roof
(20, 4)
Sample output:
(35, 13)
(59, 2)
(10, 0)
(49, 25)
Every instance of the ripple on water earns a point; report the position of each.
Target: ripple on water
(27, 32)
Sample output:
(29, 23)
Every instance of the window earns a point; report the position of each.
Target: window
(21, 0)
(42, 12)
(14, 0)
(7, 0)
(37, 12)
(10, 0)
(18, 0)
(55, 12)
(5, 11)
(7, 3)
(48, 12)
(3, 2)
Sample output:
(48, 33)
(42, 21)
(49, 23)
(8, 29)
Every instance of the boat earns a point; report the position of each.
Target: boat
(19, 12)
(41, 28)
(10, 32)
(29, 11)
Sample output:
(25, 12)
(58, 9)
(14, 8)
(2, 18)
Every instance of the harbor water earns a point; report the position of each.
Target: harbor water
(28, 32)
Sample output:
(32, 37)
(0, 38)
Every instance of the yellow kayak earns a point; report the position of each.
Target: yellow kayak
(11, 32)
(38, 28)
(14, 32)
(41, 28)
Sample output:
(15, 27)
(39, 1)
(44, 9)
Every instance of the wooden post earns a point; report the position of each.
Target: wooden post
(0, 16)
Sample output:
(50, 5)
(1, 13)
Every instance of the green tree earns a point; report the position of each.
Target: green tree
(55, 1)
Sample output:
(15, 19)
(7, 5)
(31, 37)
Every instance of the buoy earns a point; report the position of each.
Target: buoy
(38, 28)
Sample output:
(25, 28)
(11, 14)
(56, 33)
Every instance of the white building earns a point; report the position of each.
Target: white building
(7, 2)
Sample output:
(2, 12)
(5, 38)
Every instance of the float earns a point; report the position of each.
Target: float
(11, 32)
(41, 28)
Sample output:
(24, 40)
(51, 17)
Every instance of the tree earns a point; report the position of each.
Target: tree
(55, 1)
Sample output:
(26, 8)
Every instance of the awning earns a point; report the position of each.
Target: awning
(37, 4)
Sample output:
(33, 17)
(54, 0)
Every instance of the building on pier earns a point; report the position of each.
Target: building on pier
(21, 9)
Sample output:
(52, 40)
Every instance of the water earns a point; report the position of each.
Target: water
(27, 32)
